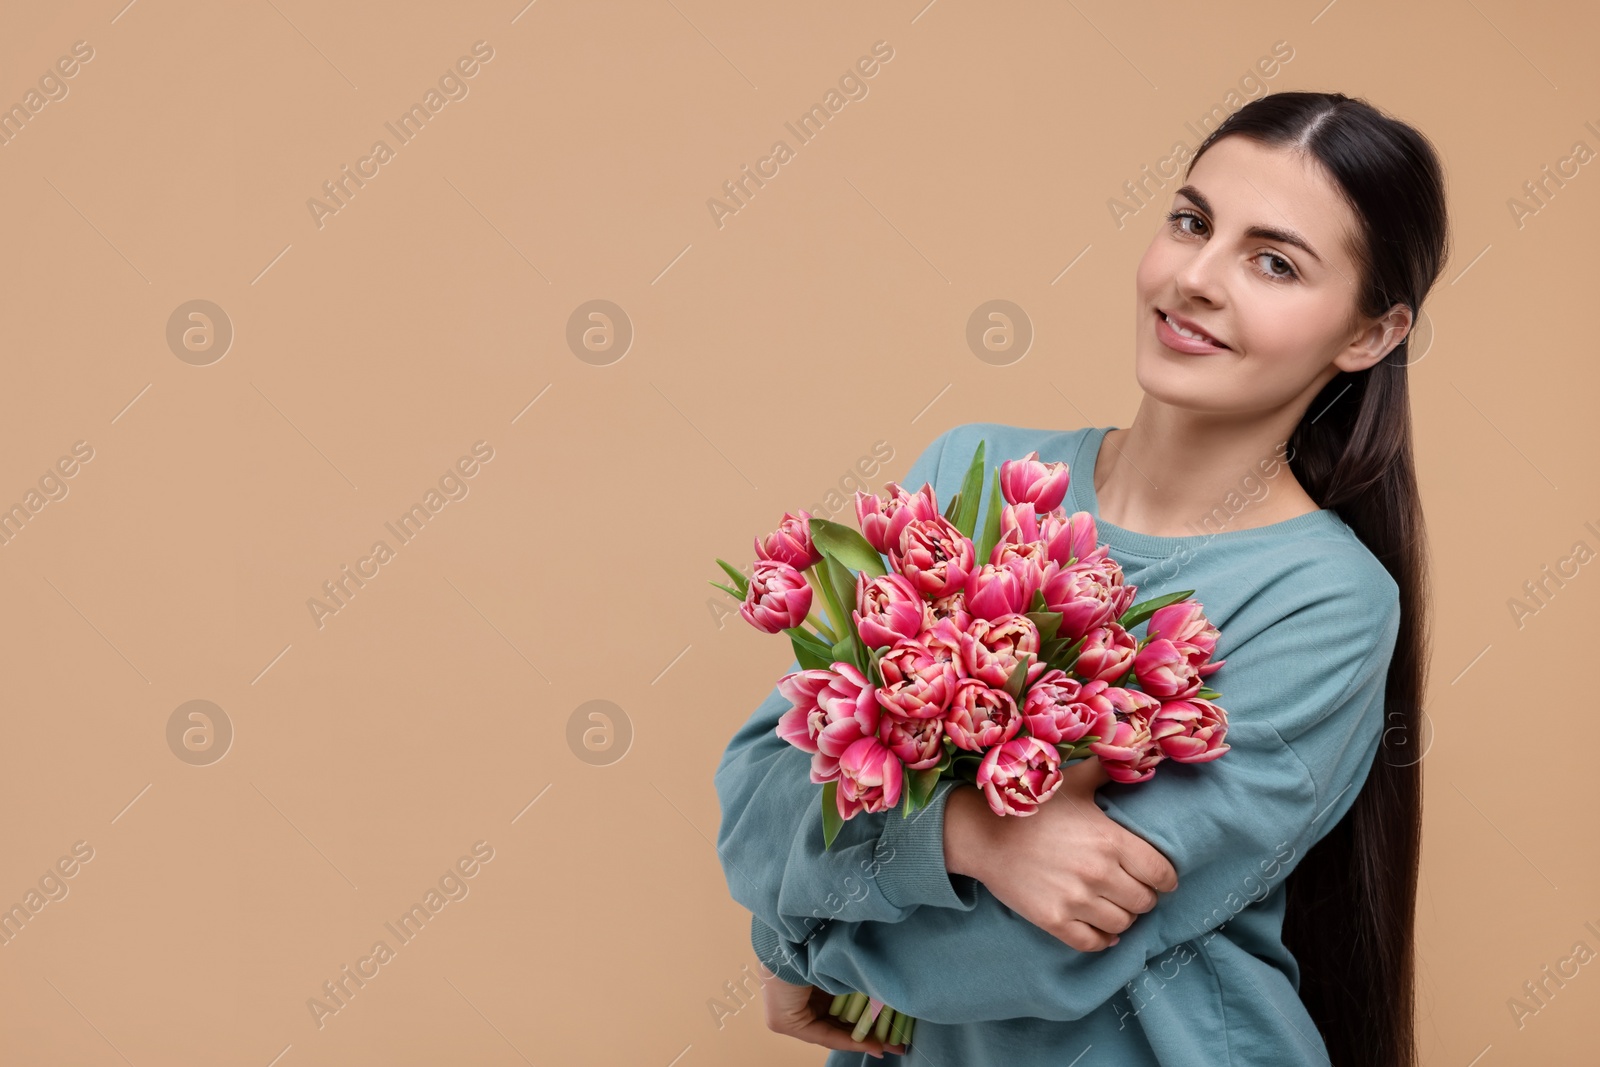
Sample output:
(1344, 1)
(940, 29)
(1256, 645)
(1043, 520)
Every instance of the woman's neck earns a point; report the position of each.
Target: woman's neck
(1175, 475)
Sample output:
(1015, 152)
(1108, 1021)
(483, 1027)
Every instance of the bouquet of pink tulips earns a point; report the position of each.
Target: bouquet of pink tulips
(998, 673)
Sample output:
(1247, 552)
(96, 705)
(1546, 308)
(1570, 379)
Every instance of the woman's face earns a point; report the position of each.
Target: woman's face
(1283, 303)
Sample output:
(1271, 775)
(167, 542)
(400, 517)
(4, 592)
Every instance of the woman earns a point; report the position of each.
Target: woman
(1258, 908)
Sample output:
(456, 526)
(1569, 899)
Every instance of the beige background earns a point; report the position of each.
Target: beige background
(769, 355)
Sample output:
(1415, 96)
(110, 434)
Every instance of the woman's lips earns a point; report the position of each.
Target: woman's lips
(1174, 340)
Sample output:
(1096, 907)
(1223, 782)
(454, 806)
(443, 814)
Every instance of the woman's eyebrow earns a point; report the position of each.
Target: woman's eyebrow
(1266, 233)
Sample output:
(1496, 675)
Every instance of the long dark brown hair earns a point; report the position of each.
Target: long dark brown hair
(1351, 902)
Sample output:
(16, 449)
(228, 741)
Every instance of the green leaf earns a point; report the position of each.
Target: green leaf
(991, 526)
(1047, 623)
(922, 783)
(951, 508)
(830, 814)
(830, 598)
(812, 653)
(838, 578)
(971, 494)
(965, 766)
(1208, 694)
(874, 655)
(847, 546)
(727, 589)
(1019, 676)
(1138, 613)
(739, 580)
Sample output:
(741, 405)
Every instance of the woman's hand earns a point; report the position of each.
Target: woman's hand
(1068, 868)
(802, 1011)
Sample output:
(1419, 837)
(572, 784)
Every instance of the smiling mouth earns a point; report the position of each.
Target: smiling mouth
(1186, 333)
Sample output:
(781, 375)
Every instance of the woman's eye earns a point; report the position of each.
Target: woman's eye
(1274, 258)
(1177, 217)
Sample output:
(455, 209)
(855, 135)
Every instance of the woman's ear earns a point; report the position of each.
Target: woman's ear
(1377, 339)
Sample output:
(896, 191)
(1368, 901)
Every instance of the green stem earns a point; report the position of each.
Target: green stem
(864, 1022)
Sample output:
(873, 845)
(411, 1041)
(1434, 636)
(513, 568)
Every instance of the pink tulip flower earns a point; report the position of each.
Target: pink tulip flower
(1072, 539)
(991, 649)
(1063, 711)
(831, 710)
(1107, 653)
(1164, 671)
(1029, 481)
(790, 543)
(980, 717)
(778, 598)
(952, 606)
(1086, 594)
(919, 743)
(870, 777)
(1184, 623)
(881, 521)
(1186, 626)
(1019, 775)
(889, 608)
(945, 639)
(993, 591)
(935, 555)
(916, 684)
(1129, 755)
(805, 719)
(1190, 731)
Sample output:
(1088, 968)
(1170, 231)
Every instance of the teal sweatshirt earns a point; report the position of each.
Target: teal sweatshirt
(1308, 618)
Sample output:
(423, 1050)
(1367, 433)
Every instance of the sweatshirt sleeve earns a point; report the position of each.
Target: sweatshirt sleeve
(1305, 702)
(882, 865)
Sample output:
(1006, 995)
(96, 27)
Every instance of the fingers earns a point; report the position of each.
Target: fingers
(1128, 892)
(830, 1035)
(1105, 918)
(1145, 862)
(801, 1012)
(1083, 937)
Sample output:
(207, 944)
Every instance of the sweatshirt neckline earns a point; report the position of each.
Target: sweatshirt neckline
(1080, 490)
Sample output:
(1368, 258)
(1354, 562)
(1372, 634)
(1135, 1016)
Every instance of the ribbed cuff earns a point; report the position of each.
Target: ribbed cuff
(911, 854)
(772, 951)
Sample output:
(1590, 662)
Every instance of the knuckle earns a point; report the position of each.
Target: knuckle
(1077, 936)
